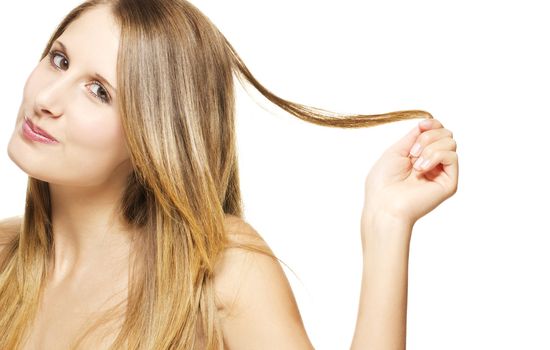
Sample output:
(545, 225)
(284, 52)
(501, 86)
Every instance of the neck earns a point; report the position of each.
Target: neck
(88, 232)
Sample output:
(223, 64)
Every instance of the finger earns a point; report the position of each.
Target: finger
(427, 138)
(403, 146)
(429, 124)
(449, 162)
(434, 153)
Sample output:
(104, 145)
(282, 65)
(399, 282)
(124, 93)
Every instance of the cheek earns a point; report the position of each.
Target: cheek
(92, 139)
(94, 147)
(94, 133)
(100, 138)
(20, 151)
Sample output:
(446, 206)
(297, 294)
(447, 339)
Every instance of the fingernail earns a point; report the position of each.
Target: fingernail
(425, 123)
(418, 163)
(415, 151)
(425, 164)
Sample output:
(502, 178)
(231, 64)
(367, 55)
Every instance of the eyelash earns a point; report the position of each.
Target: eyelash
(107, 99)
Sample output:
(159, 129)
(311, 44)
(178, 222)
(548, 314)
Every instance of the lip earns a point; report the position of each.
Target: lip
(34, 133)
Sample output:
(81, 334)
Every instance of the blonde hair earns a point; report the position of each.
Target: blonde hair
(177, 106)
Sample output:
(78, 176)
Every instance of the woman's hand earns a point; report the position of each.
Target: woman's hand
(397, 190)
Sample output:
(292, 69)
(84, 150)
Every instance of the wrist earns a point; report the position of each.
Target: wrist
(380, 228)
(384, 218)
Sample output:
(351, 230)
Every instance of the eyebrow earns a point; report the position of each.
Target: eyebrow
(96, 75)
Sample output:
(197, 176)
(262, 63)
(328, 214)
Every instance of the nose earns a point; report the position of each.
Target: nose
(48, 101)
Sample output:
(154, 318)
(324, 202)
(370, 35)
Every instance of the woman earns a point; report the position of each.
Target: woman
(132, 235)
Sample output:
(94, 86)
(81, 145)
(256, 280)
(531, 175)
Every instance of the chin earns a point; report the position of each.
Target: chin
(18, 157)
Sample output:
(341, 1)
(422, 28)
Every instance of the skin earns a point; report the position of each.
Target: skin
(86, 172)
(264, 314)
(398, 192)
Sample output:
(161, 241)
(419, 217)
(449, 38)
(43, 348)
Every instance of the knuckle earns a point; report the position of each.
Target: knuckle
(453, 144)
(436, 154)
(446, 133)
(428, 152)
(437, 123)
(453, 190)
(425, 138)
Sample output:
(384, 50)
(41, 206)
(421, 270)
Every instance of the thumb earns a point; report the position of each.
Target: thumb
(404, 145)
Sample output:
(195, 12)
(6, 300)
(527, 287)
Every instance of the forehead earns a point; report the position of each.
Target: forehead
(92, 41)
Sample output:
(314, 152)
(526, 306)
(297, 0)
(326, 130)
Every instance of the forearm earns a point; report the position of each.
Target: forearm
(382, 314)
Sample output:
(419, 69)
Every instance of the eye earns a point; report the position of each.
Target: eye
(58, 61)
(101, 92)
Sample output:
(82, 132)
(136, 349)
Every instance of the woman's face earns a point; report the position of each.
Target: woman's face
(64, 97)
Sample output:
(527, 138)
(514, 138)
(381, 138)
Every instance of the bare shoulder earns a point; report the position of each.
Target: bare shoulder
(235, 260)
(240, 231)
(256, 303)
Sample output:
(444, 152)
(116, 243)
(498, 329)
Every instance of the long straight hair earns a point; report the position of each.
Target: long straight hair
(175, 74)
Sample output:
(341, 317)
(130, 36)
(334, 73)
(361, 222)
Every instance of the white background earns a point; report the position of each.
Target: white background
(479, 263)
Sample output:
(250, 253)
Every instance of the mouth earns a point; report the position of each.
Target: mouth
(39, 131)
